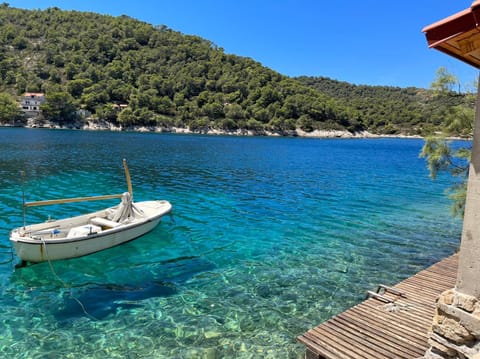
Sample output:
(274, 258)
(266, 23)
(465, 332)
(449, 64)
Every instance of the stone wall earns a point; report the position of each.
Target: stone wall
(455, 331)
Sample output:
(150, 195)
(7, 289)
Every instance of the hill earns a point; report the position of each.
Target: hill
(163, 78)
(392, 110)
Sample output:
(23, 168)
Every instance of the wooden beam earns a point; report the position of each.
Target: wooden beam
(127, 177)
(469, 45)
(69, 200)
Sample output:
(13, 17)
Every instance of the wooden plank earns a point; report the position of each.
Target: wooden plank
(70, 200)
(418, 288)
(411, 340)
(321, 346)
(374, 325)
(357, 345)
(367, 342)
(419, 295)
(383, 337)
(370, 330)
(413, 301)
(403, 308)
(406, 326)
(447, 270)
(348, 350)
(385, 319)
(429, 280)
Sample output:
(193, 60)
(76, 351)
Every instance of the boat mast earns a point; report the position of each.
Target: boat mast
(127, 176)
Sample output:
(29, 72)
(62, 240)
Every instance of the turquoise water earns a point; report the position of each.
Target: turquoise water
(269, 237)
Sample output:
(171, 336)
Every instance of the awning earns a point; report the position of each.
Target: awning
(458, 35)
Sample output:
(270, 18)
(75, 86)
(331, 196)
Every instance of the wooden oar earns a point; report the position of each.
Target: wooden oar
(69, 200)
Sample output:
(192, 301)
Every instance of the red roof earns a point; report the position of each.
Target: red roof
(458, 35)
(38, 94)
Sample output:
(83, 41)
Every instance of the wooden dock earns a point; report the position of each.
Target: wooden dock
(393, 324)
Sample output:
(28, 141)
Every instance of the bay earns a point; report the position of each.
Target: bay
(269, 237)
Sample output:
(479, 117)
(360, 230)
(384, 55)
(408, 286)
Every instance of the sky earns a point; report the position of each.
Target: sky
(368, 42)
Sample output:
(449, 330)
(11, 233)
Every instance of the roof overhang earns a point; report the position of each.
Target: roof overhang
(458, 35)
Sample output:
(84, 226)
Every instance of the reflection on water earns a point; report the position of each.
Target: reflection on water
(271, 237)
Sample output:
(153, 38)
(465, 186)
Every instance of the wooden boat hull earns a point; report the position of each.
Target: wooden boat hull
(49, 245)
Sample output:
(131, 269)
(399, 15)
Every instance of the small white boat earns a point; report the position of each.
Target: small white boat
(88, 233)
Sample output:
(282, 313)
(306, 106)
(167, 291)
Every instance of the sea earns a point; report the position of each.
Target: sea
(268, 237)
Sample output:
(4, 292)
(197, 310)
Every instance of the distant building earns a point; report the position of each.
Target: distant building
(32, 102)
(119, 107)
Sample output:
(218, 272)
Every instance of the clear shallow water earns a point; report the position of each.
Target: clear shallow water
(271, 236)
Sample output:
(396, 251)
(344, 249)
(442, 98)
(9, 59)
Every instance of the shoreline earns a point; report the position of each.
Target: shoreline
(320, 134)
(106, 126)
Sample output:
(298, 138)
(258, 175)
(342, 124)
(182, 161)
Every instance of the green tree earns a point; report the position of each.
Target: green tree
(126, 117)
(10, 113)
(234, 111)
(213, 110)
(444, 83)
(253, 124)
(76, 87)
(228, 124)
(59, 108)
(20, 43)
(107, 113)
(94, 96)
(440, 154)
(305, 123)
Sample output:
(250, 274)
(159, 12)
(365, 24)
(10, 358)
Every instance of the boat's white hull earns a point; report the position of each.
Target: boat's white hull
(40, 248)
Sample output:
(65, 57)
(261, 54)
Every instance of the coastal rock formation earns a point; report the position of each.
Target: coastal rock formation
(104, 125)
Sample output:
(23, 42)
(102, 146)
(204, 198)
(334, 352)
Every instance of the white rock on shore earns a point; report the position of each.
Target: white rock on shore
(335, 134)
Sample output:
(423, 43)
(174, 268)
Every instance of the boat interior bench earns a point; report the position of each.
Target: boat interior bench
(81, 231)
(103, 222)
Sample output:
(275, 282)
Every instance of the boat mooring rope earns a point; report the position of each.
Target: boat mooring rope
(66, 284)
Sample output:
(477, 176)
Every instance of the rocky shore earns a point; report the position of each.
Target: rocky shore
(99, 125)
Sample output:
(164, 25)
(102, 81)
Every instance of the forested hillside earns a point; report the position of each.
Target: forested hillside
(384, 109)
(96, 62)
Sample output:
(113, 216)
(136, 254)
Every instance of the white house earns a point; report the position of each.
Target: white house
(32, 102)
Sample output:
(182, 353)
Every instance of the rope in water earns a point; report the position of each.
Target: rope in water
(65, 284)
